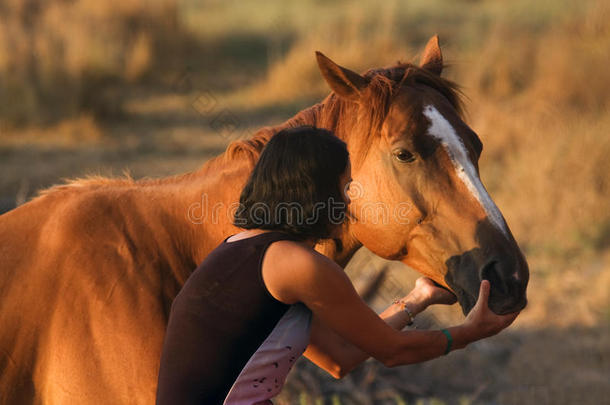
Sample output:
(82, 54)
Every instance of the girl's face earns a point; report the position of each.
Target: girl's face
(344, 182)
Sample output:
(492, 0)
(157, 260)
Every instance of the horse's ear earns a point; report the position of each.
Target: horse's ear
(342, 81)
(432, 59)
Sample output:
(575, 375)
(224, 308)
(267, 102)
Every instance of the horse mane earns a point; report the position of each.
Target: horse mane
(333, 112)
(407, 74)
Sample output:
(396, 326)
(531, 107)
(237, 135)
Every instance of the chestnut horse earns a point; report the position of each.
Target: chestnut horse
(89, 269)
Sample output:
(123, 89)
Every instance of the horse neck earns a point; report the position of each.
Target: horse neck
(173, 235)
(234, 165)
(192, 201)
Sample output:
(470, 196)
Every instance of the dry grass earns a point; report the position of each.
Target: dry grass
(61, 58)
(349, 40)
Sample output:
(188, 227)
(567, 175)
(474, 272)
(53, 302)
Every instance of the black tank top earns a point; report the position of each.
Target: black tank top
(219, 318)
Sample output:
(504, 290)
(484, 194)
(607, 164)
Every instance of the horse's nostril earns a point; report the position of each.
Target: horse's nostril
(487, 270)
(491, 272)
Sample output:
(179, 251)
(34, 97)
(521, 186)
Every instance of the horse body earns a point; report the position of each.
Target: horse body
(89, 269)
(88, 281)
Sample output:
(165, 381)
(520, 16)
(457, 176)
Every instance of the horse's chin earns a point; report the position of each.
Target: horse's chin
(504, 309)
(467, 301)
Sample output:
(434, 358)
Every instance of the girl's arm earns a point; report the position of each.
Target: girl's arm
(299, 274)
(337, 356)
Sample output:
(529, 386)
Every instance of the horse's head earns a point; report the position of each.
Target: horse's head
(417, 196)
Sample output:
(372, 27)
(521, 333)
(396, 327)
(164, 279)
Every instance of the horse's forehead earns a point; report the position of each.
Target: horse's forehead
(404, 117)
(407, 121)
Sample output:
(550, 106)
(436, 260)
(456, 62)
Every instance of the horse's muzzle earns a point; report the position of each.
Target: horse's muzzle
(508, 276)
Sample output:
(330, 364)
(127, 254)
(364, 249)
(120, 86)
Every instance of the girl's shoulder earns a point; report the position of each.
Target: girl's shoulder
(296, 252)
(289, 267)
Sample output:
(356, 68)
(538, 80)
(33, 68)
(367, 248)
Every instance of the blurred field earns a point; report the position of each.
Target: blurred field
(159, 86)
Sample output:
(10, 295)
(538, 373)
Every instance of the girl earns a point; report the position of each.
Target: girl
(264, 296)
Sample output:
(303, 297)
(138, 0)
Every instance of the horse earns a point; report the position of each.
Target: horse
(89, 268)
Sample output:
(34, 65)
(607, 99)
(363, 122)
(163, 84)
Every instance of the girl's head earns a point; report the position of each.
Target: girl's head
(298, 185)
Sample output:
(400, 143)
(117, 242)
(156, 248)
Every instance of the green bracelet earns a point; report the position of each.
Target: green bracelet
(449, 340)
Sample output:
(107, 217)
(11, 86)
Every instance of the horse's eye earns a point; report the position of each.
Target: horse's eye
(404, 156)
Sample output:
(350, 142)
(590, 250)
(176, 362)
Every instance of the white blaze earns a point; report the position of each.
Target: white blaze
(442, 130)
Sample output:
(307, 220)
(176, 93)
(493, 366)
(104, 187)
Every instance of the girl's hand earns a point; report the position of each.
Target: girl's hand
(431, 293)
(482, 321)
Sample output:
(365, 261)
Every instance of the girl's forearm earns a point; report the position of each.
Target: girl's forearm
(394, 316)
(423, 345)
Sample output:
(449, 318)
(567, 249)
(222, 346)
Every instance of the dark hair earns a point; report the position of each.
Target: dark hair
(295, 184)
